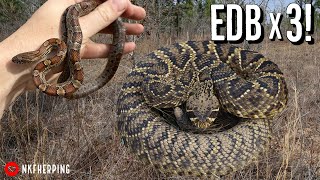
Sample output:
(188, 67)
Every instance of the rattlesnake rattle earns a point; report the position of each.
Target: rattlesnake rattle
(72, 77)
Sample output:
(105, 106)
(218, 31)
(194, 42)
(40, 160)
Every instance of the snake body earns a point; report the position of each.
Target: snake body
(72, 76)
(249, 88)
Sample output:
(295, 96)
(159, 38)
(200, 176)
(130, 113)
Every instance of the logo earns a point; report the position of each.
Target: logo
(11, 169)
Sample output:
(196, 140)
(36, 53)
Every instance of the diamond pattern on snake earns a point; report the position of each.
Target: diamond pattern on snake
(203, 83)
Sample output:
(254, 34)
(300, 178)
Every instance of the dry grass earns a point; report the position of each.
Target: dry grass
(41, 129)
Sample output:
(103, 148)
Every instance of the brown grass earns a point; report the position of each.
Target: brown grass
(40, 129)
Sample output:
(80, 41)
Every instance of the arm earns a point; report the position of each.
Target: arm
(45, 24)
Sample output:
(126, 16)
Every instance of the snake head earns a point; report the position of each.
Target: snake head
(202, 107)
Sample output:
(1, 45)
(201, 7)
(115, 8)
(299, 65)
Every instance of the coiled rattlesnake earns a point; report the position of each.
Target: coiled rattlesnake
(249, 88)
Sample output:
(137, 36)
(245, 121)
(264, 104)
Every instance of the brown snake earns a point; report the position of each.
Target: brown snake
(72, 77)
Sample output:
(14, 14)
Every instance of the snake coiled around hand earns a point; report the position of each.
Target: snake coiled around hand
(249, 88)
(67, 53)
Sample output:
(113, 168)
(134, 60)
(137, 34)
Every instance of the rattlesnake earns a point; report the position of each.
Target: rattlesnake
(72, 77)
(249, 88)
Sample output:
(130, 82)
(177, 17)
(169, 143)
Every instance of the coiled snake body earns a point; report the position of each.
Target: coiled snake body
(72, 77)
(249, 88)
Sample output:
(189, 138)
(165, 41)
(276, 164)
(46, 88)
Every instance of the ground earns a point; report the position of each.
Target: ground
(41, 129)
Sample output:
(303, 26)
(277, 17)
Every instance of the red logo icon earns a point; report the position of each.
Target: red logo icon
(11, 169)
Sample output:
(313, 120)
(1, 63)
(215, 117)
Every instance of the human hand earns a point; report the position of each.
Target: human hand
(45, 24)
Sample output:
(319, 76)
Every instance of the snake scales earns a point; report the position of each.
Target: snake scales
(249, 87)
(69, 55)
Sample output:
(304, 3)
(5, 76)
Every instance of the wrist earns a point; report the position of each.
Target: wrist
(13, 77)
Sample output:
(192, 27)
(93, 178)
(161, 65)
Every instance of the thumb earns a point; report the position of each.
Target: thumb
(102, 16)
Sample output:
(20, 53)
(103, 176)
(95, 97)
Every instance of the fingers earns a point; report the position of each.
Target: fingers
(108, 12)
(93, 50)
(131, 29)
(134, 12)
(99, 20)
